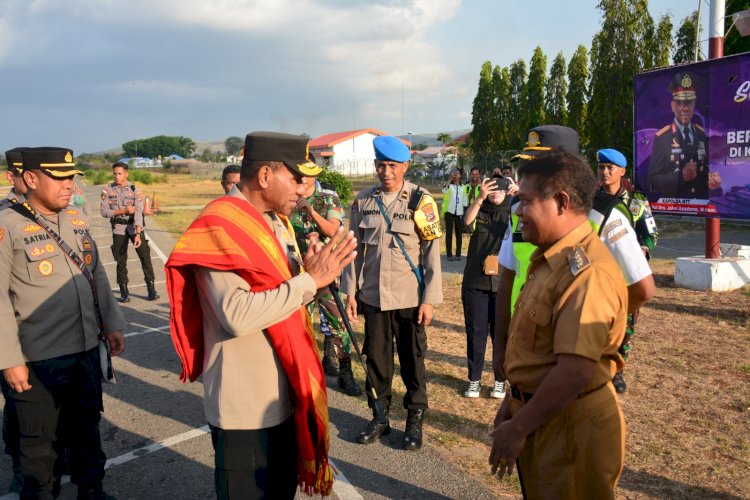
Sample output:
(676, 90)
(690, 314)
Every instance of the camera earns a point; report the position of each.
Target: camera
(502, 183)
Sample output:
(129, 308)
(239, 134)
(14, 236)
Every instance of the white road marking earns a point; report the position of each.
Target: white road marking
(147, 330)
(343, 488)
(157, 250)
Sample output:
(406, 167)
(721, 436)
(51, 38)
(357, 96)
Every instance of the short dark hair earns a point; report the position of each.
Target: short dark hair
(250, 168)
(230, 169)
(557, 170)
(474, 168)
(120, 164)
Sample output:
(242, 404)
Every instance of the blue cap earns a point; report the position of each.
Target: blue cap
(388, 148)
(611, 156)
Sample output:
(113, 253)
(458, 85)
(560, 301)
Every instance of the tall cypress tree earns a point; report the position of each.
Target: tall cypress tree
(535, 89)
(684, 49)
(517, 123)
(501, 86)
(663, 41)
(578, 93)
(557, 87)
(482, 113)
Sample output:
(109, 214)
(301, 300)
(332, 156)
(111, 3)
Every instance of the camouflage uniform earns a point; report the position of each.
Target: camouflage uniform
(327, 204)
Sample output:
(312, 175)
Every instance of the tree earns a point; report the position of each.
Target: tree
(684, 50)
(663, 41)
(160, 145)
(444, 138)
(233, 145)
(734, 43)
(577, 97)
(618, 52)
(501, 86)
(482, 113)
(557, 86)
(535, 89)
(517, 123)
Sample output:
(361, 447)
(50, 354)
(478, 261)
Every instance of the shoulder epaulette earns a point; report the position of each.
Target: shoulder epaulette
(699, 127)
(662, 131)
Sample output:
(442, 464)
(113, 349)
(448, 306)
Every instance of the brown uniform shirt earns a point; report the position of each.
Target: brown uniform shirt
(46, 303)
(568, 307)
(388, 281)
(115, 198)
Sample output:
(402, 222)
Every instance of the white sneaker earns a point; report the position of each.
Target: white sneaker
(472, 391)
(498, 391)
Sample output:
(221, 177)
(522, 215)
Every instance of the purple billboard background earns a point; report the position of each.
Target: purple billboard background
(723, 82)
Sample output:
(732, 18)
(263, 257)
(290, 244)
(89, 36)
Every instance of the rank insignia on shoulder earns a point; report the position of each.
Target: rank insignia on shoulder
(2, 233)
(578, 260)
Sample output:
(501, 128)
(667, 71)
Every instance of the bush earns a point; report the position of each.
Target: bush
(145, 177)
(342, 185)
(96, 177)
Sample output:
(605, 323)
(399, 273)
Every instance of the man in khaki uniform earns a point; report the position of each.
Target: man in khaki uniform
(48, 344)
(563, 421)
(396, 305)
(122, 204)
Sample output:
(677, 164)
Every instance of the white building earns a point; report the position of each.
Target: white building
(350, 153)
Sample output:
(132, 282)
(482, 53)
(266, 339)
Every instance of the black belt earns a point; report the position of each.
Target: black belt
(516, 393)
(121, 220)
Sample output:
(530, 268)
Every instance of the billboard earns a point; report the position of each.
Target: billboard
(692, 138)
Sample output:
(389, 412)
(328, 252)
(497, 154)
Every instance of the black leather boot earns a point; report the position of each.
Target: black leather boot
(413, 434)
(330, 360)
(346, 378)
(152, 295)
(375, 428)
(124, 294)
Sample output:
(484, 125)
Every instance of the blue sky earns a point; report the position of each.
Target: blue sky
(92, 74)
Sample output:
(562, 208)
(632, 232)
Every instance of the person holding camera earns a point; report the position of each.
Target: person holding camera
(488, 214)
(454, 200)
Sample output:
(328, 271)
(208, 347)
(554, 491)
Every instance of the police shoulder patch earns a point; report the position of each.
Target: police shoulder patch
(578, 260)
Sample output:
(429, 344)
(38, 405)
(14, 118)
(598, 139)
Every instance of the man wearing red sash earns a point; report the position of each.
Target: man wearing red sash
(237, 293)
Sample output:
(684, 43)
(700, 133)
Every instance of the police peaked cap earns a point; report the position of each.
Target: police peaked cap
(15, 162)
(546, 137)
(611, 156)
(389, 148)
(289, 149)
(683, 86)
(57, 162)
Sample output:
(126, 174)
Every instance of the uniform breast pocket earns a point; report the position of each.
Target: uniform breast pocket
(369, 230)
(405, 230)
(43, 259)
(536, 317)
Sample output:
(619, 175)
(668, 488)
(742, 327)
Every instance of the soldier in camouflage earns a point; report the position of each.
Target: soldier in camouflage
(319, 212)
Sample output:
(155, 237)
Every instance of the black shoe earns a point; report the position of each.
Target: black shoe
(152, 295)
(96, 493)
(375, 429)
(619, 383)
(330, 361)
(413, 434)
(346, 379)
(124, 294)
(17, 484)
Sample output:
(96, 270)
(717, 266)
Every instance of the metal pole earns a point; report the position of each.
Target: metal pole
(697, 50)
(715, 51)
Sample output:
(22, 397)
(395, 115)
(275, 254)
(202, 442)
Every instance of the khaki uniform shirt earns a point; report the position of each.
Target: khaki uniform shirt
(46, 303)
(388, 281)
(115, 198)
(244, 384)
(568, 306)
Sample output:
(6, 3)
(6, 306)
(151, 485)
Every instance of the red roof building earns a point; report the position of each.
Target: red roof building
(350, 152)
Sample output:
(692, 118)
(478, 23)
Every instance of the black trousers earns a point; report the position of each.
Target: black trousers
(120, 252)
(479, 318)
(11, 435)
(452, 224)
(381, 329)
(259, 463)
(64, 388)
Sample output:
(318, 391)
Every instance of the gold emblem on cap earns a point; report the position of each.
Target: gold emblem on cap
(686, 82)
(68, 157)
(45, 267)
(533, 139)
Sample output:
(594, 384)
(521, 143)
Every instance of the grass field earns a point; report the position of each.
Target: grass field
(688, 402)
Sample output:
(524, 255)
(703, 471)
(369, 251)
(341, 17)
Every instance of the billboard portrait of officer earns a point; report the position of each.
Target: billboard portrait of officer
(679, 159)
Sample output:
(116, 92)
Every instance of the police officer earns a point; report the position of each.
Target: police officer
(398, 261)
(679, 159)
(229, 177)
(612, 166)
(122, 204)
(562, 348)
(49, 343)
(319, 211)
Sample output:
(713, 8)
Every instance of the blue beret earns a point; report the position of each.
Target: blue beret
(389, 148)
(611, 156)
